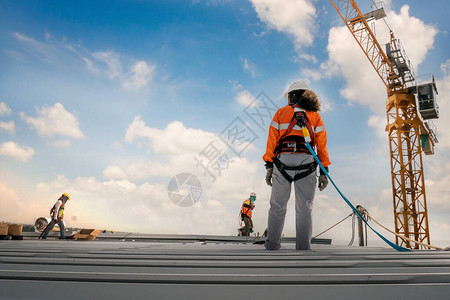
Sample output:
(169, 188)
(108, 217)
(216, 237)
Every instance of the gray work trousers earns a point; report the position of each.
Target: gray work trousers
(304, 196)
(248, 225)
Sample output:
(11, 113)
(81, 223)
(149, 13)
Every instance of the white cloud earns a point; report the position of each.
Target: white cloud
(7, 126)
(14, 54)
(262, 33)
(90, 65)
(127, 206)
(296, 18)
(443, 100)
(307, 57)
(245, 98)
(17, 207)
(44, 51)
(143, 169)
(177, 144)
(250, 67)
(15, 151)
(102, 63)
(60, 144)
(111, 59)
(114, 172)
(178, 149)
(445, 68)
(54, 120)
(236, 86)
(325, 104)
(378, 122)
(139, 76)
(4, 109)
(175, 139)
(346, 59)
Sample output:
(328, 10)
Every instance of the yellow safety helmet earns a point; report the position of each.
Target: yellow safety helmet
(67, 196)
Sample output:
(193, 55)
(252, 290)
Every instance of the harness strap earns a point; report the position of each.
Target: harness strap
(291, 125)
(282, 168)
(301, 119)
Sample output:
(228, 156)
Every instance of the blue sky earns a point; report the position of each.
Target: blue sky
(108, 100)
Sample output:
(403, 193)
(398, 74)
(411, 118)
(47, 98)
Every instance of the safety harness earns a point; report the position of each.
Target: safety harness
(296, 144)
(282, 168)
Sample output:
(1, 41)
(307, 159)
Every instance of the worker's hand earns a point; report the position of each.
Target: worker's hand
(323, 182)
(269, 176)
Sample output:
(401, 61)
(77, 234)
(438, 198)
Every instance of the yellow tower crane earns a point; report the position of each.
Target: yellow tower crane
(409, 133)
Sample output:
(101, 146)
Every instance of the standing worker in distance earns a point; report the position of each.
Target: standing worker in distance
(291, 126)
(57, 214)
(246, 215)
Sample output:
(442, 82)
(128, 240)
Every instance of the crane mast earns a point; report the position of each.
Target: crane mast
(405, 127)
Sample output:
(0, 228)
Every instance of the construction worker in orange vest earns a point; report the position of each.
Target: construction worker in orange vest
(246, 215)
(292, 126)
(57, 214)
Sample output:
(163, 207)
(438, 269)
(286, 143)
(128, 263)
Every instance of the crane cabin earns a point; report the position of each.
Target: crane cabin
(426, 98)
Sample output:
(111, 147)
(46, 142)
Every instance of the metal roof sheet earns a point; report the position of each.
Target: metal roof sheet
(116, 269)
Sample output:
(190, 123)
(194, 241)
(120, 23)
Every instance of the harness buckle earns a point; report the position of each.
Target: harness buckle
(293, 145)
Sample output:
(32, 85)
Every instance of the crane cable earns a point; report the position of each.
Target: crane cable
(333, 225)
(403, 237)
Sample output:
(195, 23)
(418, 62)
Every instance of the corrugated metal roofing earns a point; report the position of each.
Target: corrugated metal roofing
(58, 269)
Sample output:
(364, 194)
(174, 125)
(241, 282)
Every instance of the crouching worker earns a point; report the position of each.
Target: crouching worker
(246, 215)
(57, 215)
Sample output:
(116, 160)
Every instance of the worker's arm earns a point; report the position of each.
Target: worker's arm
(272, 139)
(321, 141)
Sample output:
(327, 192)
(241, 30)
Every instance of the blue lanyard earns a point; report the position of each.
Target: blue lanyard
(395, 246)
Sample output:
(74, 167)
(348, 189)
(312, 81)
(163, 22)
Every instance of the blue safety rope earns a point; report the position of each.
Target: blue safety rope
(395, 246)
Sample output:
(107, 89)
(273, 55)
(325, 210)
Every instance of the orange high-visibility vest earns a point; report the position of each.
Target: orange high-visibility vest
(280, 124)
(247, 208)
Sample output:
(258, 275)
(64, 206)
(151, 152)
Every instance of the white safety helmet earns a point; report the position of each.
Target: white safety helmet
(298, 85)
(252, 194)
